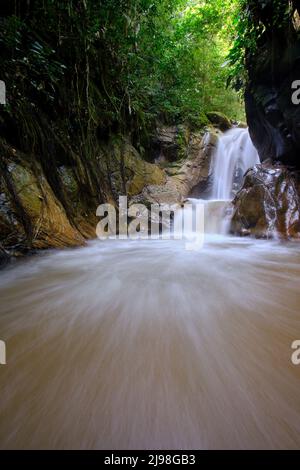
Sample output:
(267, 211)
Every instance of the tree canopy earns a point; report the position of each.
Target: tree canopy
(88, 67)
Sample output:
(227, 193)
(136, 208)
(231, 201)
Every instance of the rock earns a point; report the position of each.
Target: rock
(38, 212)
(169, 143)
(12, 233)
(242, 125)
(37, 215)
(49, 225)
(4, 256)
(158, 194)
(268, 204)
(128, 172)
(81, 205)
(273, 118)
(219, 120)
(191, 177)
(188, 178)
(202, 155)
(31, 216)
(145, 174)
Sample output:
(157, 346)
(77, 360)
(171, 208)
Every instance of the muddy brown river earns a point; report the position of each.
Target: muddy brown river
(142, 344)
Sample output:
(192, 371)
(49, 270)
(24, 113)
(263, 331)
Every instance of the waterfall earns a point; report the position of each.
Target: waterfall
(234, 155)
(217, 215)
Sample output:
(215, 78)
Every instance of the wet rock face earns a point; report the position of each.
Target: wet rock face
(268, 204)
(169, 143)
(189, 177)
(37, 212)
(31, 216)
(272, 115)
(36, 215)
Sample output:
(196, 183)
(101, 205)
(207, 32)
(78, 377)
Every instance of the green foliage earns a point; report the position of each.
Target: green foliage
(79, 69)
(176, 71)
(255, 22)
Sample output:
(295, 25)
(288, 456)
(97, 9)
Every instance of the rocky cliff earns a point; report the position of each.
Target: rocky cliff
(268, 204)
(42, 208)
(273, 69)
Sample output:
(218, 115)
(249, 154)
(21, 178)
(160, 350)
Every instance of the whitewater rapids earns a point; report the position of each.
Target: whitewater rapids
(142, 344)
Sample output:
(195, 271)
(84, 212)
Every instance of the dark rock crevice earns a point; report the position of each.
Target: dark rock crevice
(273, 117)
(268, 204)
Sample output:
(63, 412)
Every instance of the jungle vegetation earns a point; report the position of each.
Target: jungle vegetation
(77, 71)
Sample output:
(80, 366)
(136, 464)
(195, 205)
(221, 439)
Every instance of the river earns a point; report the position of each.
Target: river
(142, 344)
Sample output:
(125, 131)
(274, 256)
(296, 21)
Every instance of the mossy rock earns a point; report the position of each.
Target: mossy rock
(47, 217)
(219, 120)
(197, 122)
(145, 174)
(268, 204)
(170, 143)
(128, 172)
(12, 232)
(242, 125)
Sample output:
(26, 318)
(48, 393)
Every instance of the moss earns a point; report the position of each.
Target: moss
(128, 172)
(149, 175)
(197, 122)
(182, 141)
(219, 120)
(30, 192)
(26, 189)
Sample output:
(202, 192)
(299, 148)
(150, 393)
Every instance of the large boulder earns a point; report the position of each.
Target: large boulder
(30, 215)
(219, 120)
(268, 204)
(127, 172)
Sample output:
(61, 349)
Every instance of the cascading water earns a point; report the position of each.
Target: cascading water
(234, 155)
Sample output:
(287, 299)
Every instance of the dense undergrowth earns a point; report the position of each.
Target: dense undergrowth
(77, 71)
